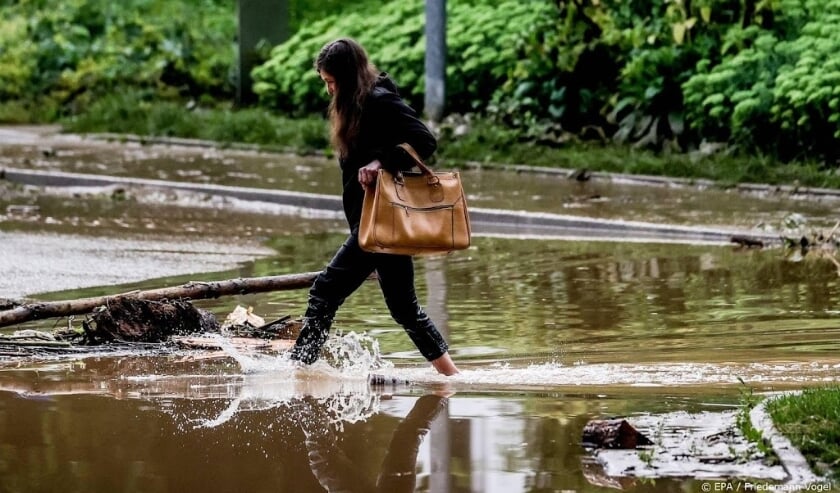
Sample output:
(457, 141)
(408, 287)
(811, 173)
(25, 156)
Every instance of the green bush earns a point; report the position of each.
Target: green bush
(762, 76)
(73, 52)
(611, 69)
(16, 58)
(775, 95)
(482, 40)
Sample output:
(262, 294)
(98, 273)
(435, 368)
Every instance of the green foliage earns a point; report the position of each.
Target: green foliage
(139, 112)
(775, 94)
(545, 89)
(734, 92)
(612, 69)
(742, 420)
(72, 52)
(645, 72)
(16, 58)
(481, 44)
(761, 76)
(806, 97)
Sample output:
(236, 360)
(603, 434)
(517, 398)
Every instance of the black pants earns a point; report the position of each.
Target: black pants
(344, 274)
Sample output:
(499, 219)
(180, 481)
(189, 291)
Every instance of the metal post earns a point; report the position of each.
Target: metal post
(259, 20)
(435, 59)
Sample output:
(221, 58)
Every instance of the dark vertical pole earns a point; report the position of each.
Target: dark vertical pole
(259, 20)
(435, 59)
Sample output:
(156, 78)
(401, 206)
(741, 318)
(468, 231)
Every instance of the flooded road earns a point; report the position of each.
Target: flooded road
(265, 433)
(671, 202)
(550, 334)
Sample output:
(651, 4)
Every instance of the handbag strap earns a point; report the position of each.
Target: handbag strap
(420, 164)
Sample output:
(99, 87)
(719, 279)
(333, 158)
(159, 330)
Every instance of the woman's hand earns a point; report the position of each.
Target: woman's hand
(368, 173)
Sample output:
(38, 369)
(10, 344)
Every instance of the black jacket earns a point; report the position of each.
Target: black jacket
(387, 121)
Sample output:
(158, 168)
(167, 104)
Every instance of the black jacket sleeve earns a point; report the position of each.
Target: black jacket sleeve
(387, 122)
(400, 124)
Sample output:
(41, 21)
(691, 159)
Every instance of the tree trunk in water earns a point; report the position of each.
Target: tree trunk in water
(192, 290)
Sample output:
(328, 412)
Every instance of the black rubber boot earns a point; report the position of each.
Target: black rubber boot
(312, 337)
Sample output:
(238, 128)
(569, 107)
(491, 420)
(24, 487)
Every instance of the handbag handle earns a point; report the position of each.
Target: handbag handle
(432, 180)
(420, 164)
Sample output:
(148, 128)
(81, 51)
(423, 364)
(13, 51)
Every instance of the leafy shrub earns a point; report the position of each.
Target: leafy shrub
(481, 42)
(776, 95)
(16, 54)
(763, 76)
(610, 69)
(72, 52)
(734, 92)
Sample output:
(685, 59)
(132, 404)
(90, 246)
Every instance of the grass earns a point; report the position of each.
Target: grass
(485, 142)
(748, 401)
(811, 421)
(133, 113)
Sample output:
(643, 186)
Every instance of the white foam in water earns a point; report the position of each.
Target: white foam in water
(645, 375)
(338, 381)
(348, 355)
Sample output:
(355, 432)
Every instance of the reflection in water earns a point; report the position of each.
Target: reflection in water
(542, 302)
(485, 188)
(257, 409)
(337, 472)
(151, 419)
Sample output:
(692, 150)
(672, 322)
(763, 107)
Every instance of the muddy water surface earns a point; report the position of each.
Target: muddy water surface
(550, 334)
(164, 428)
(596, 198)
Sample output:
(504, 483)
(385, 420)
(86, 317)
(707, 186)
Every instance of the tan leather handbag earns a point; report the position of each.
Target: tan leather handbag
(415, 213)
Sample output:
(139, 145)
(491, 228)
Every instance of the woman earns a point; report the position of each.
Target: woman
(368, 120)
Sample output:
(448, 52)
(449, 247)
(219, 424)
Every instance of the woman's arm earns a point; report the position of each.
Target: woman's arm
(399, 123)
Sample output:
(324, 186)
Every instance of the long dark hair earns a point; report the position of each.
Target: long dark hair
(355, 76)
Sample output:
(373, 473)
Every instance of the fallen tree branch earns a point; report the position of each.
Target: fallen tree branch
(191, 290)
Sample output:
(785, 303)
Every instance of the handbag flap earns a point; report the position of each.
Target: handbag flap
(417, 191)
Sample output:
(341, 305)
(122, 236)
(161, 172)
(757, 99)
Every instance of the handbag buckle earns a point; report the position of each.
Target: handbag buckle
(435, 189)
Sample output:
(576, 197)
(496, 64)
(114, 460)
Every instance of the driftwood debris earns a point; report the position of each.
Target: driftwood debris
(8, 304)
(130, 323)
(31, 342)
(612, 434)
(192, 290)
(136, 320)
(747, 241)
(241, 344)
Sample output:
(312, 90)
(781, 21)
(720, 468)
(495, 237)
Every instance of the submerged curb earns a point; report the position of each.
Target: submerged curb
(799, 472)
(637, 179)
(37, 133)
(486, 222)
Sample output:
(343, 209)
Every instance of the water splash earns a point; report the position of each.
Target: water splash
(337, 384)
(355, 354)
(349, 355)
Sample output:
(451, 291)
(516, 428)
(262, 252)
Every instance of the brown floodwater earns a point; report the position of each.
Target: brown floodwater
(549, 334)
(672, 203)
